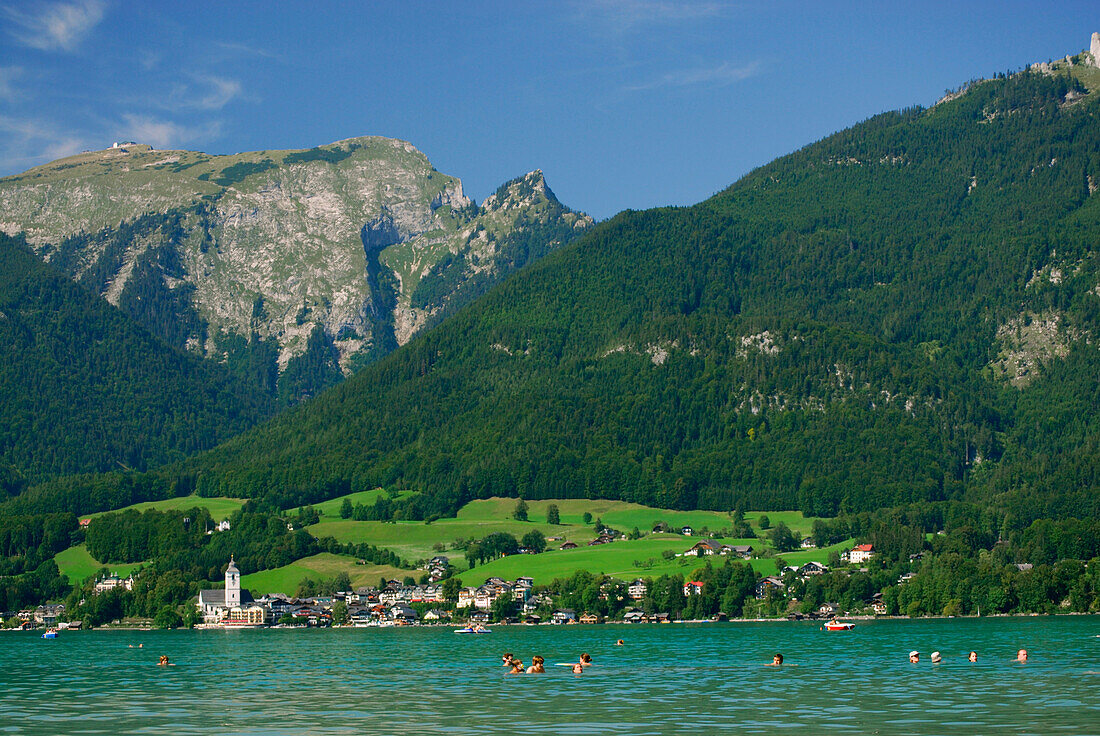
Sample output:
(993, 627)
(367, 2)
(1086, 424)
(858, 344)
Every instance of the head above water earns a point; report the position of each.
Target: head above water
(777, 659)
(1021, 656)
(936, 657)
(973, 657)
(914, 656)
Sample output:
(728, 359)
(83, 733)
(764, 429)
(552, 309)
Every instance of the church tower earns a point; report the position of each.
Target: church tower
(232, 585)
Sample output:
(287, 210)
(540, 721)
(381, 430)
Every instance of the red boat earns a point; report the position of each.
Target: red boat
(835, 625)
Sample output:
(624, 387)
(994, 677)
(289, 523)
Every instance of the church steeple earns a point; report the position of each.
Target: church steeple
(232, 584)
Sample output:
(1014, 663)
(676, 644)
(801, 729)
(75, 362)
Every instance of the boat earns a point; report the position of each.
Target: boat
(50, 634)
(835, 625)
(472, 630)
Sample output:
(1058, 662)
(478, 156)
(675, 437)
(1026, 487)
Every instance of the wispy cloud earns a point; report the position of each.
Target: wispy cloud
(27, 142)
(221, 92)
(717, 76)
(8, 75)
(54, 26)
(627, 15)
(166, 133)
(246, 50)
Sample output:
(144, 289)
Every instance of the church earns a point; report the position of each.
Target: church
(231, 606)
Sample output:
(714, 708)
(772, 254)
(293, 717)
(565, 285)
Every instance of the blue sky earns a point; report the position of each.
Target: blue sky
(622, 103)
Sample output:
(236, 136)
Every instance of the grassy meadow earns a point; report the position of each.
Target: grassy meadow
(323, 566)
(219, 507)
(78, 565)
(418, 540)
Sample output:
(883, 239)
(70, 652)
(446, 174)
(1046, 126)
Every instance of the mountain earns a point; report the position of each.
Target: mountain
(293, 267)
(905, 311)
(83, 389)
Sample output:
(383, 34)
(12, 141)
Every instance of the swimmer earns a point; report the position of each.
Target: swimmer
(936, 658)
(163, 660)
(1021, 656)
(578, 669)
(972, 657)
(586, 660)
(506, 660)
(777, 660)
(536, 667)
(914, 657)
(619, 643)
(517, 668)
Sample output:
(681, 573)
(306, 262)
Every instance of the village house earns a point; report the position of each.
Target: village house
(634, 617)
(568, 545)
(564, 616)
(687, 531)
(693, 588)
(858, 554)
(589, 618)
(637, 589)
(808, 543)
(767, 585)
(113, 581)
(812, 568)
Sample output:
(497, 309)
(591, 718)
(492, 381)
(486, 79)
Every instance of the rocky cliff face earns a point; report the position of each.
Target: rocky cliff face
(348, 249)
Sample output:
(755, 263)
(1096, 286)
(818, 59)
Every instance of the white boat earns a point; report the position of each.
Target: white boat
(472, 630)
(835, 625)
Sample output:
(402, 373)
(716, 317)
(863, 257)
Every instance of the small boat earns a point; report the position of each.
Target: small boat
(472, 630)
(50, 634)
(835, 625)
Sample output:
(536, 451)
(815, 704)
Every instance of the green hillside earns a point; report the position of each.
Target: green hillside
(83, 389)
(901, 312)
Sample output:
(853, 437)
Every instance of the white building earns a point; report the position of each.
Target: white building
(216, 605)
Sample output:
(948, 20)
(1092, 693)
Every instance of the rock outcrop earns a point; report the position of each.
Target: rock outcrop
(265, 247)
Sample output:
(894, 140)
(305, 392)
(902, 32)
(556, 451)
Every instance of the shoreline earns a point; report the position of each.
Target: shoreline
(860, 617)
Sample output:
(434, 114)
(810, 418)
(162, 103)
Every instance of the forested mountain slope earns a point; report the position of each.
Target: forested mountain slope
(905, 311)
(83, 389)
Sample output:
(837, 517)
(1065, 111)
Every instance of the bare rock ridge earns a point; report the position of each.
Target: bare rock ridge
(349, 248)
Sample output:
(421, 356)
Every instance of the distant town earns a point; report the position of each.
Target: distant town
(442, 599)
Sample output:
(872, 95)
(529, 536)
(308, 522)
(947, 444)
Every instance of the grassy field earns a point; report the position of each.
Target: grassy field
(624, 559)
(331, 508)
(285, 579)
(219, 507)
(793, 519)
(78, 565)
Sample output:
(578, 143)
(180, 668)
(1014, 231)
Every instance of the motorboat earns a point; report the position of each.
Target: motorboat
(835, 625)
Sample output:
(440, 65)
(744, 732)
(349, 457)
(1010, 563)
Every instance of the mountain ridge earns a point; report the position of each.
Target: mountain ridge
(269, 246)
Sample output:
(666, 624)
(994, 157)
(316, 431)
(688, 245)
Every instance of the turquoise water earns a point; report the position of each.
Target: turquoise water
(666, 680)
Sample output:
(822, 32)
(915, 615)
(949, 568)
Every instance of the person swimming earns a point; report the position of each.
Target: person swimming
(586, 660)
(914, 656)
(777, 660)
(517, 668)
(1021, 656)
(536, 667)
(619, 643)
(506, 660)
(972, 657)
(164, 660)
(936, 658)
(578, 668)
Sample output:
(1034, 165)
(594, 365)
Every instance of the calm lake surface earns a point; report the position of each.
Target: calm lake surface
(666, 680)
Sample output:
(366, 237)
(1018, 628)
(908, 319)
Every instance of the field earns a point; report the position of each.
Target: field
(219, 507)
(331, 507)
(78, 565)
(323, 566)
(417, 540)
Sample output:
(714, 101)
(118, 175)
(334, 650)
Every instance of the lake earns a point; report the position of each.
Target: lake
(677, 678)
